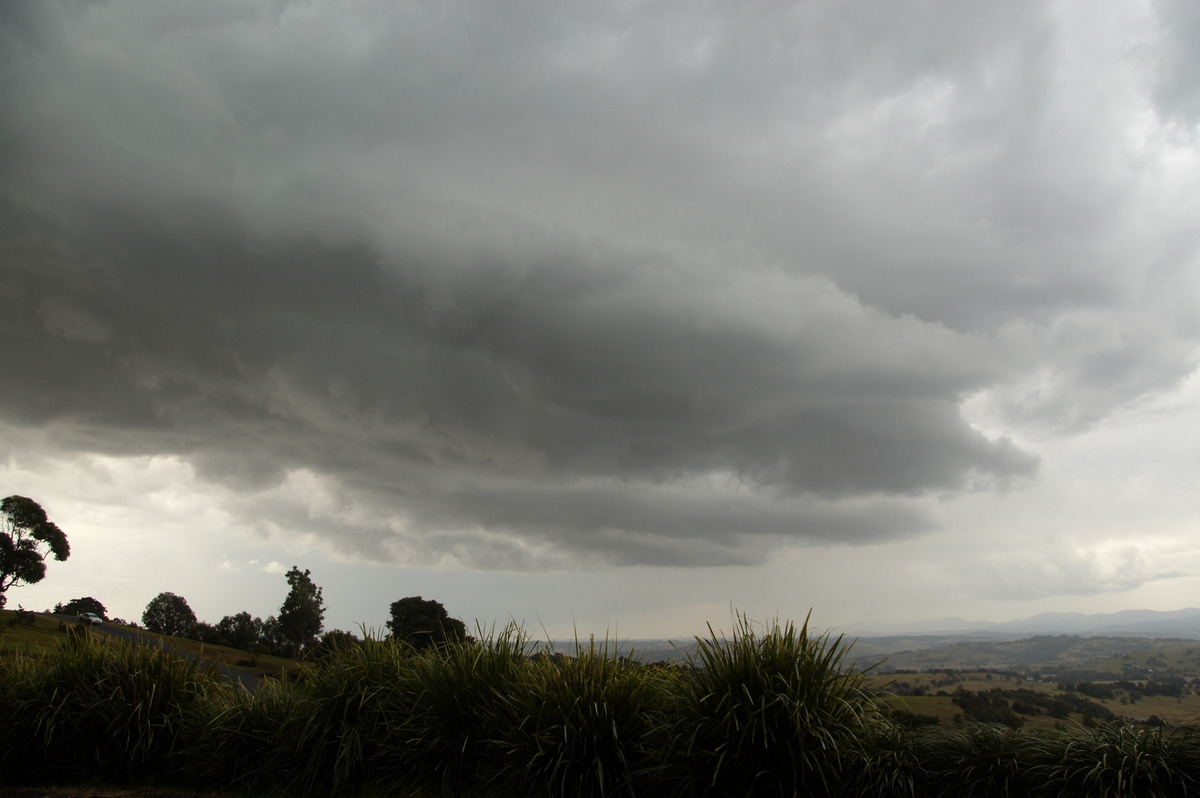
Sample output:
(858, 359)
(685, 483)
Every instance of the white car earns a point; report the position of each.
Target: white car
(90, 618)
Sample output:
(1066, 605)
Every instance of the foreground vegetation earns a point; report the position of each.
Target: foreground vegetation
(764, 710)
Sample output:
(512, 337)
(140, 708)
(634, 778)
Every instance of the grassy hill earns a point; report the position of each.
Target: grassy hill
(48, 632)
(932, 694)
(1027, 677)
(1046, 652)
(44, 634)
(1168, 658)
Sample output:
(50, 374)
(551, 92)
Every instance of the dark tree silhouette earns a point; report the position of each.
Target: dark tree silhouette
(169, 614)
(271, 639)
(26, 537)
(82, 605)
(239, 631)
(303, 613)
(331, 642)
(424, 623)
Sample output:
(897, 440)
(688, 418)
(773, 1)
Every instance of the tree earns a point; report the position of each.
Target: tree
(169, 614)
(271, 639)
(239, 631)
(423, 624)
(332, 642)
(26, 537)
(205, 632)
(82, 605)
(303, 612)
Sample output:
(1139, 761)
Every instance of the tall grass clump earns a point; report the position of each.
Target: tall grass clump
(889, 766)
(247, 740)
(769, 713)
(442, 733)
(21, 701)
(318, 732)
(583, 725)
(1120, 761)
(100, 710)
(977, 760)
(352, 698)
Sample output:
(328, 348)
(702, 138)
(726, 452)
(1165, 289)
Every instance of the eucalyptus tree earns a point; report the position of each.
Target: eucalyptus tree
(27, 536)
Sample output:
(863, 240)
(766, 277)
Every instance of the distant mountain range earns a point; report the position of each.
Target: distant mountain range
(1126, 623)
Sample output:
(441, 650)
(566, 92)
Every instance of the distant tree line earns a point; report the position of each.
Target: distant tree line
(28, 537)
(1005, 707)
(1170, 686)
(297, 631)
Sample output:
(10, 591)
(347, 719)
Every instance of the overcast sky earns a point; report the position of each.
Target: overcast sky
(606, 316)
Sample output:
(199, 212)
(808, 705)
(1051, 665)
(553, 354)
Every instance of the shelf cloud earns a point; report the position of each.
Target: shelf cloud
(529, 286)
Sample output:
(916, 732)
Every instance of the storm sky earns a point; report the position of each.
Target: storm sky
(605, 316)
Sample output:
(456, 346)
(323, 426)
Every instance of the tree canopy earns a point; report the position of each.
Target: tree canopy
(239, 631)
(424, 623)
(271, 639)
(169, 614)
(303, 612)
(82, 605)
(331, 642)
(26, 537)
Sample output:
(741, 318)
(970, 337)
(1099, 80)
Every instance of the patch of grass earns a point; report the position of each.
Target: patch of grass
(1116, 761)
(352, 706)
(940, 707)
(245, 741)
(262, 664)
(457, 711)
(770, 712)
(1174, 658)
(975, 759)
(43, 635)
(94, 709)
(585, 724)
(1183, 711)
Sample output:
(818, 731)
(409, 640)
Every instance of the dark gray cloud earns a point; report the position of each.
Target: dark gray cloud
(516, 397)
(1177, 63)
(626, 285)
